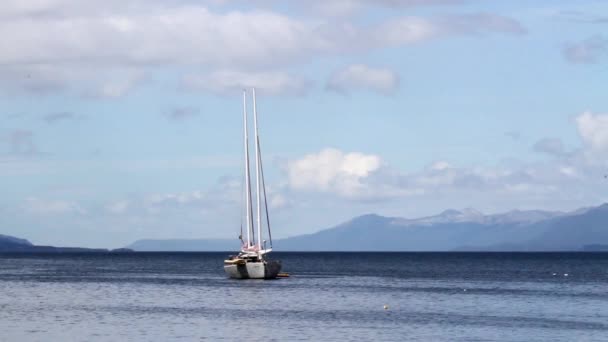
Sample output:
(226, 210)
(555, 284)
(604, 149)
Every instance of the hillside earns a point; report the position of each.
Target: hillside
(12, 244)
(452, 230)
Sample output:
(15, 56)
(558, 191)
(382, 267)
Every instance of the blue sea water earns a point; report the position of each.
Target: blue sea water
(329, 297)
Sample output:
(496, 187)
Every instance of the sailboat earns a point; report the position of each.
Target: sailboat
(252, 261)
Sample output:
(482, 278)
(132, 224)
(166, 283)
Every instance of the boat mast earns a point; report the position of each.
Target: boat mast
(265, 197)
(247, 173)
(257, 172)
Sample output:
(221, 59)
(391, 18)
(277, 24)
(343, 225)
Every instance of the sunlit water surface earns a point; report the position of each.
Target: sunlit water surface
(329, 297)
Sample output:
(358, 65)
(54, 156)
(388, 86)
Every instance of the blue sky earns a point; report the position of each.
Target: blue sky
(122, 121)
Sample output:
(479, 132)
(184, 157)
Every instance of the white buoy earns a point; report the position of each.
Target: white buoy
(385, 307)
(554, 274)
(565, 274)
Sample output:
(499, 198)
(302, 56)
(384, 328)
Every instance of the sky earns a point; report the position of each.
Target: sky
(122, 120)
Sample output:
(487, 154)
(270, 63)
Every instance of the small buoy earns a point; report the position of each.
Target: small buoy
(283, 275)
(385, 307)
(565, 274)
(554, 274)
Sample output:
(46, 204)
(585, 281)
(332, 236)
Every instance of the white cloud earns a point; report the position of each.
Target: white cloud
(53, 51)
(359, 76)
(357, 176)
(231, 82)
(176, 34)
(593, 129)
(106, 49)
(331, 170)
(347, 7)
(361, 177)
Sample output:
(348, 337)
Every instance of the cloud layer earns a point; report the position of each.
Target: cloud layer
(107, 50)
(331, 170)
(357, 176)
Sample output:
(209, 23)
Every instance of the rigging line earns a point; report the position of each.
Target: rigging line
(265, 200)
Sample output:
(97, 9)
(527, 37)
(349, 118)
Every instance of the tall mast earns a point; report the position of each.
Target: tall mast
(247, 174)
(257, 172)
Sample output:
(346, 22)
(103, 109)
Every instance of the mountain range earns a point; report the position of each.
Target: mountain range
(12, 244)
(452, 230)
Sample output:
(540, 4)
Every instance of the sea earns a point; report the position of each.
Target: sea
(328, 297)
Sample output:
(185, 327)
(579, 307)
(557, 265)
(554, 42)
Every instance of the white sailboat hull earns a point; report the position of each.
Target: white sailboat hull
(254, 270)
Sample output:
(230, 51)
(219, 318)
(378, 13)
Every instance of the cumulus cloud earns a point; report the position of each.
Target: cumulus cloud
(331, 170)
(359, 76)
(119, 38)
(231, 82)
(588, 51)
(362, 177)
(346, 7)
(105, 50)
(184, 34)
(593, 130)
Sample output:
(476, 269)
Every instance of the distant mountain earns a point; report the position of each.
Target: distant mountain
(13, 244)
(595, 248)
(451, 230)
(184, 245)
